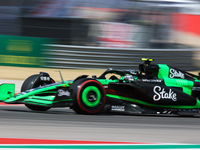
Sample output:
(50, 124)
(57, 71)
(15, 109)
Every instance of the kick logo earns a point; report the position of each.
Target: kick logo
(160, 93)
(175, 73)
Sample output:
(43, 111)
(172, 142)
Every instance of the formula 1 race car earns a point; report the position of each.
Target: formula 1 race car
(152, 89)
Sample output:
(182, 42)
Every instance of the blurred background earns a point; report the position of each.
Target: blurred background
(99, 33)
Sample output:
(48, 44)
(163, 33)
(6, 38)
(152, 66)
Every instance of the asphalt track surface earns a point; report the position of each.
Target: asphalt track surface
(16, 121)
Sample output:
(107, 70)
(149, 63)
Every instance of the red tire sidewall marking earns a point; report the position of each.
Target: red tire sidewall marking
(78, 96)
(52, 81)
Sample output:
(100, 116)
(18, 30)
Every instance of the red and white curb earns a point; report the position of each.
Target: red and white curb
(44, 144)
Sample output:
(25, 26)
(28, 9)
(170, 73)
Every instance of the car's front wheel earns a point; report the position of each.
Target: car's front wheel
(89, 96)
(33, 82)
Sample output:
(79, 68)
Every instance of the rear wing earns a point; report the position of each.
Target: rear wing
(7, 90)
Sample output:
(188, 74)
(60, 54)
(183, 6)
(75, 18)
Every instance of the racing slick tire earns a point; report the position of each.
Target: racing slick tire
(30, 83)
(89, 96)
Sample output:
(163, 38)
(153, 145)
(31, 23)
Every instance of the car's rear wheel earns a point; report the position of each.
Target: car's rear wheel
(33, 82)
(89, 96)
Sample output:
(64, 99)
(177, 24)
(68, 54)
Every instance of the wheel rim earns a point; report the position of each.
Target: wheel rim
(100, 97)
(91, 96)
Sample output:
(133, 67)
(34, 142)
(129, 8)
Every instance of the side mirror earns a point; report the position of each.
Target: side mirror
(94, 76)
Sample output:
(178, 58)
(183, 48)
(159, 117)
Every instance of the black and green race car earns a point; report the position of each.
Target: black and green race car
(152, 89)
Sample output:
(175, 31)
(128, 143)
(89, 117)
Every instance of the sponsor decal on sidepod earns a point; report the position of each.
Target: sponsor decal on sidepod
(160, 93)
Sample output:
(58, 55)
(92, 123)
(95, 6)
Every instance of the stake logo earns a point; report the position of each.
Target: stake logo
(160, 93)
(174, 73)
(61, 92)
